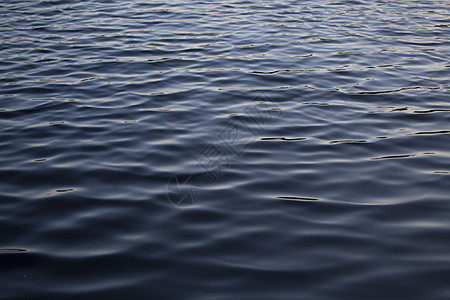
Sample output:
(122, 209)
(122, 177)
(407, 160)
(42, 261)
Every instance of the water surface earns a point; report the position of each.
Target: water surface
(224, 150)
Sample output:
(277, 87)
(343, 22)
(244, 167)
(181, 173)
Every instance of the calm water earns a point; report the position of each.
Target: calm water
(225, 150)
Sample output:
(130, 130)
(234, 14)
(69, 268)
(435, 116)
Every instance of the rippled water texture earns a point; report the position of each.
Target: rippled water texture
(224, 150)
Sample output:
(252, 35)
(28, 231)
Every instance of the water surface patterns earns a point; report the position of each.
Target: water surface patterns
(224, 150)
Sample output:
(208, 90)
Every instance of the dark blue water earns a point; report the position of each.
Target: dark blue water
(225, 150)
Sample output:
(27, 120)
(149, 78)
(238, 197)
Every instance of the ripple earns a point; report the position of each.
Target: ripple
(297, 198)
(400, 156)
(282, 139)
(431, 132)
(11, 250)
(58, 191)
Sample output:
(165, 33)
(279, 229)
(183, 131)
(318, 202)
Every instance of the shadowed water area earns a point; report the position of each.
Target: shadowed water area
(217, 150)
